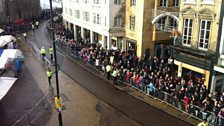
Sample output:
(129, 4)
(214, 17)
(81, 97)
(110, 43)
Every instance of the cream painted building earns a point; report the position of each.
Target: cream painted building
(199, 26)
(100, 21)
(165, 22)
(218, 80)
(138, 26)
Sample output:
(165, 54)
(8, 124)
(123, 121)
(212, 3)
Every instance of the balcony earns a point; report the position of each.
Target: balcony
(165, 21)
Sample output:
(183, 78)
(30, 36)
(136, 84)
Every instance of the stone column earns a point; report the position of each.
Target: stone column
(108, 42)
(179, 73)
(103, 42)
(82, 33)
(75, 32)
(91, 36)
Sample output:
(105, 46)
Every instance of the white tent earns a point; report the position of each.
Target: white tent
(5, 84)
(1, 30)
(5, 39)
(9, 54)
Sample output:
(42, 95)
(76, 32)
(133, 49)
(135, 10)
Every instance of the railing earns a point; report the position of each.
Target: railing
(38, 114)
(186, 108)
(165, 28)
(156, 13)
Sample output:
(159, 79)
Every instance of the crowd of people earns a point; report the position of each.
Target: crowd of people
(153, 75)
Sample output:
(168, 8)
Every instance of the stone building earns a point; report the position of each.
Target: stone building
(11, 10)
(96, 21)
(200, 28)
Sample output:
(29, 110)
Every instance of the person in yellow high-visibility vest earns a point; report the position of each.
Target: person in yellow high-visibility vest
(43, 52)
(33, 26)
(37, 24)
(51, 52)
(49, 75)
(24, 35)
(115, 76)
(108, 70)
(203, 123)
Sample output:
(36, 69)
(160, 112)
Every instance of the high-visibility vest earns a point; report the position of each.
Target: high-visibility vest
(37, 23)
(49, 73)
(202, 124)
(24, 34)
(51, 50)
(33, 26)
(43, 51)
(108, 68)
(115, 73)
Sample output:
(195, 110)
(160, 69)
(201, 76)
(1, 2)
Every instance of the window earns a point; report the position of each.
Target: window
(77, 13)
(118, 21)
(96, 1)
(96, 18)
(132, 22)
(85, 16)
(105, 21)
(163, 3)
(161, 23)
(133, 2)
(86, 1)
(70, 12)
(204, 34)
(189, 2)
(187, 31)
(208, 2)
(118, 2)
(176, 3)
(173, 23)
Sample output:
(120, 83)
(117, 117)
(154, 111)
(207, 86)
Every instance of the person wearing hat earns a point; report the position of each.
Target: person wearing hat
(43, 52)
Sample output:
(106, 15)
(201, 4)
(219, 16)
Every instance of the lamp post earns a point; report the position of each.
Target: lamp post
(56, 65)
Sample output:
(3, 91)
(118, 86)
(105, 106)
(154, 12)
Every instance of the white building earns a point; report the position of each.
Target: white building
(99, 21)
(219, 68)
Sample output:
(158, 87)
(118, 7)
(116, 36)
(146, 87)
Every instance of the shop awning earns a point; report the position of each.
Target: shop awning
(19, 21)
(5, 85)
(9, 54)
(6, 39)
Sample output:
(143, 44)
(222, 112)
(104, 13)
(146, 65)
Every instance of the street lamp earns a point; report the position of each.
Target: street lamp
(56, 65)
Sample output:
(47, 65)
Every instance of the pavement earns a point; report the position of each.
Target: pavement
(84, 105)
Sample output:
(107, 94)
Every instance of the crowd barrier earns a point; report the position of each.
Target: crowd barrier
(188, 109)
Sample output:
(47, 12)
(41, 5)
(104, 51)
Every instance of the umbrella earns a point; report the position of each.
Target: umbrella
(6, 39)
(1, 30)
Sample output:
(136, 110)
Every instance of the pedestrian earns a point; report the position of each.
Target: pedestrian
(43, 52)
(108, 70)
(49, 75)
(51, 52)
(115, 75)
(203, 123)
(24, 35)
(32, 26)
(37, 24)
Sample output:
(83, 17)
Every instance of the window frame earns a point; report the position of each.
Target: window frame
(132, 3)
(204, 35)
(188, 42)
(132, 23)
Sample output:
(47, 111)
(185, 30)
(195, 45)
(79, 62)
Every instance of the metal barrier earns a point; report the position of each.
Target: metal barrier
(186, 108)
(41, 109)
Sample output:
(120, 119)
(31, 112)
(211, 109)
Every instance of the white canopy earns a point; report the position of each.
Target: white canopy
(1, 30)
(6, 39)
(5, 84)
(9, 54)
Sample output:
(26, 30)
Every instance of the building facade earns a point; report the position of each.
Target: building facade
(195, 54)
(11, 10)
(218, 79)
(96, 21)
(138, 26)
(165, 23)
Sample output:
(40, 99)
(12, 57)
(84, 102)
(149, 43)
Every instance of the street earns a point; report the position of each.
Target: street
(134, 108)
